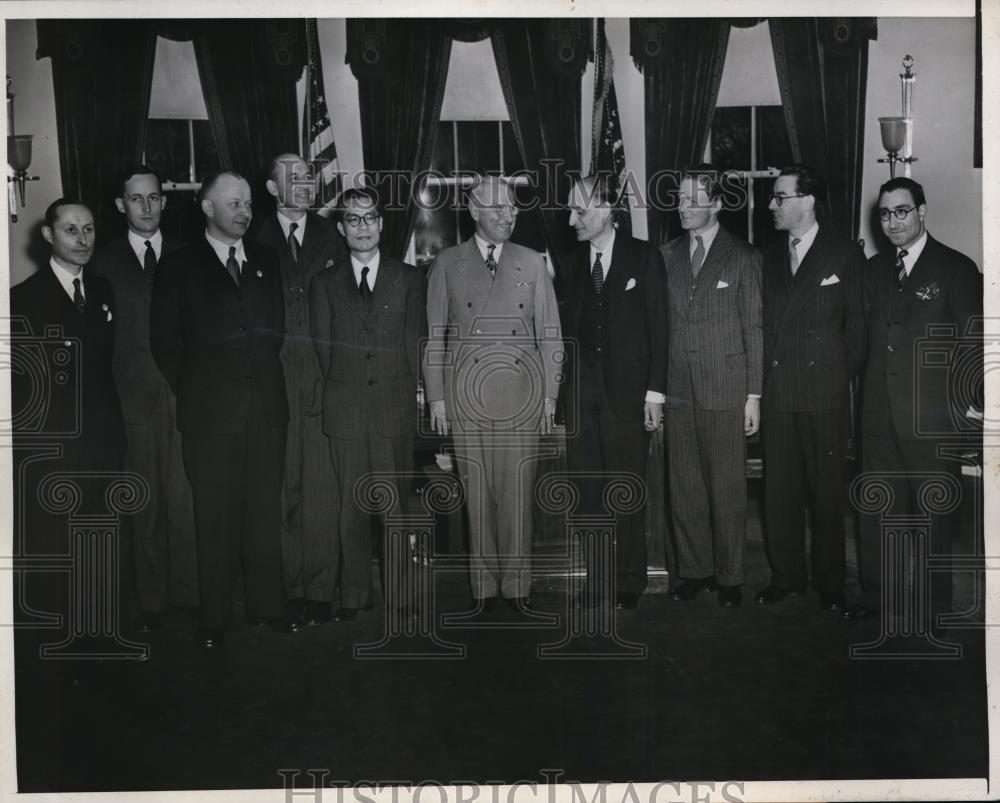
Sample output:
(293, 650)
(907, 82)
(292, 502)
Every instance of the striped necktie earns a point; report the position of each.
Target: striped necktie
(597, 275)
(901, 268)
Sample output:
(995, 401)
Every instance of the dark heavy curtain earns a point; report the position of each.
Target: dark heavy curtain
(540, 63)
(248, 70)
(822, 69)
(681, 61)
(102, 71)
(401, 66)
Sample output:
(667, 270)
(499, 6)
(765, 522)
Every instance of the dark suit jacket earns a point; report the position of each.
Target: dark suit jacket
(635, 359)
(141, 385)
(714, 334)
(371, 360)
(926, 396)
(217, 344)
(813, 324)
(322, 247)
(70, 396)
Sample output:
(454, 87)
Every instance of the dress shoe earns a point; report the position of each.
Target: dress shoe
(831, 601)
(859, 611)
(626, 601)
(316, 613)
(209, 637)
(346, 614)
(689, 589)
(282, 625)
(773, 594)
(730, 596)
(519, 604)
(148, 622)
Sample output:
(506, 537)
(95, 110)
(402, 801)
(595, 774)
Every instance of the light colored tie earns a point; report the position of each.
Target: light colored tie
(491, 261)
(698, 257)
(793, 255)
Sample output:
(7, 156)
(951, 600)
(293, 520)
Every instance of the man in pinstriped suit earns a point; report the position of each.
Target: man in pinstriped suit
(713, 389)
(813, 345)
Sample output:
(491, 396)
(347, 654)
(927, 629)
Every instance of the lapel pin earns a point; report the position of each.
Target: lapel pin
(260, 274)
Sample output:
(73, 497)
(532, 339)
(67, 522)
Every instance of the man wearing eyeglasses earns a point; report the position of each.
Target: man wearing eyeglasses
(306, 244)
(914, 404)
(813, 346)
(367, 321)
(490, 376)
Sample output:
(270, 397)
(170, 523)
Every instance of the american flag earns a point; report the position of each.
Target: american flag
(607, 151)
(318, 147)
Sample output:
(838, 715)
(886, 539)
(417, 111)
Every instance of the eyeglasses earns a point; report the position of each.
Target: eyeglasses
(900, 212)
(780, 199)
(355, 220)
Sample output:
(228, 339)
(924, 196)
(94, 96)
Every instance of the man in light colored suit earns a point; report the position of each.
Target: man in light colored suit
(367, 320)
(491, 376)
(713, 389)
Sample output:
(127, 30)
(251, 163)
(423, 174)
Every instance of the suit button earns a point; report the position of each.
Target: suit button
(774, 363)
(368, 356)
(520, 306)
(891, 348)
(371, 381)
(513, 331)
(368, 331)
(479, 331)
(517, 362)
(599, 349)
(469, 305)
(475, 359)
(811, 363)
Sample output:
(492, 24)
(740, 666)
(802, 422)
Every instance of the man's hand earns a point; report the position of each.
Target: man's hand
(653, 415)
(548, 416)
(751, 415)
(439, 421)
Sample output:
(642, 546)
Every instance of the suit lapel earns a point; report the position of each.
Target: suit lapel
(715, 261)
(475, 276)
(921, 275)
(385, 284)
(73, 322)
(347, 288)
(679, 271)
(808, 276)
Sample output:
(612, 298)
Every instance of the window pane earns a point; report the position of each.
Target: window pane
(436, 226)
(206, 156)
(167, 148)
(479, 147)
(512, 161)
(443, 158)
(773, 147)
(731, 138)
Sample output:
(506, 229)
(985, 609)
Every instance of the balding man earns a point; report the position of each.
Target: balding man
(217, 328)
(306, 244)
(491, 377)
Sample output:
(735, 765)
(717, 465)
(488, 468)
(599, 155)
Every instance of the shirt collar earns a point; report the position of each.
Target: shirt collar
(483, 247)
(372, 268)
(285, 223)
(913, 252)
(805, 241)
(66, 278)
(707, 238)
(222, 249)
(605, 252)
(138, 243)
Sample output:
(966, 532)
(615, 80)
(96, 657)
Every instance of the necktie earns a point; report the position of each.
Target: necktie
(901, 267)
(149, 262)
(793, 255)
(366, 291)
(597, 275)
(81, 305)
(698, 256)
(293, 244)
(491, 262)
(233, 266)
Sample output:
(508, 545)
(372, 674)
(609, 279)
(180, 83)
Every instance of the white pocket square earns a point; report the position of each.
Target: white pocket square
(630, 284)
(721, 285)
(834, 279)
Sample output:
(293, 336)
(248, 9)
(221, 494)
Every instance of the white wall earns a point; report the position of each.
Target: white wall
(943, 107)
(34, 113)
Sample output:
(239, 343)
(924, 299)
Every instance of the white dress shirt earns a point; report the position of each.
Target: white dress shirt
(706, 240)
(913, 253)
(483, 247)
(286, 224)
(66, 279)
(222, 250)
(805, 242)
(138, 244)
(372, 270)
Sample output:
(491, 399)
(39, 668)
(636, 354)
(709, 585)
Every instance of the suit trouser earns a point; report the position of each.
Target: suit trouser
(236, 479)
(351, 542)
(309, 507)
(805, 466)
(163, 536)
(606, 444)
(498, 469)
(885, 452)
(706, 454)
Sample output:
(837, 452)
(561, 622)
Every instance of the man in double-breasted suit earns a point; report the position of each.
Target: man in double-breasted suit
(920, 299)
(813, 346)
(306, 244)
(490, 376)
(713, 389)
(163, 539)
(615, 325)
(367, 320)
(217, 327)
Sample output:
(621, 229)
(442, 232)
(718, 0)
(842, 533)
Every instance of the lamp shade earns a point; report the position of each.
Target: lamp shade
(893, 133)
(19, 152)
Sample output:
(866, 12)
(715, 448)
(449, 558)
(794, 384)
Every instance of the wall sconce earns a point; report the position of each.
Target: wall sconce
(18, 157)
(897, 132)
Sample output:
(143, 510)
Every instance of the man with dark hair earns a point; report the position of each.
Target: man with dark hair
(714, 386)
(306, 244)
(163, 531)
(218, 323)
(615, 326)
(918, 292)
(813, 346)
(367, 321)
(491, 377)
